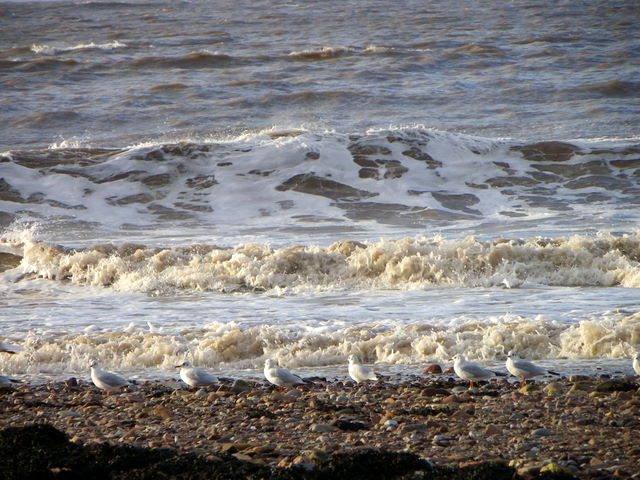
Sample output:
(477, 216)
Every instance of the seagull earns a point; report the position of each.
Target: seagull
(110, 382)
(195, 377)
(469, 370)
(359, 372)
(636, 363)
(280, 376)
(8, 348)
(153, 329)
(523, 368)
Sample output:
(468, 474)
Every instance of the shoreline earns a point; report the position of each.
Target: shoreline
(582, 427)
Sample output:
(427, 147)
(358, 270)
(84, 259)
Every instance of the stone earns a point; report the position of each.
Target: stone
(553, 389)
(577, 389)
(349, 426)
(556, 468)
(322, 428)
(616, 385)
(240, 386)
(541, 432)
(435, 391)
(414, 427)
(441, 440)
(433, 368)
(529, 388)
(492, 430)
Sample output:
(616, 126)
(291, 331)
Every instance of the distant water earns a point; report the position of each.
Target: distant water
(231, 182)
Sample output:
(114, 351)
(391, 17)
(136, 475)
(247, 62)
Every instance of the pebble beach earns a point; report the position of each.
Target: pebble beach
(578, 427)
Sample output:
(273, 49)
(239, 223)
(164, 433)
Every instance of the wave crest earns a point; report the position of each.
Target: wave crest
(407, 263)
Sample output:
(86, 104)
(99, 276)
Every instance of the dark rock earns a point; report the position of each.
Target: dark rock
(71, 382)
(348, 426)
(616, 385)
(43, 452)
(371, 464)
(433, 368)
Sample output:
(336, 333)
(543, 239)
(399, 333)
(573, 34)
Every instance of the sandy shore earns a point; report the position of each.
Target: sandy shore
(582, 427)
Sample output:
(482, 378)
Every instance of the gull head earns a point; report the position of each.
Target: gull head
(637, 356)
(94, 364)
(512, 354)
(185, 364)
(353, 358)
(269, 363)
(458, 357)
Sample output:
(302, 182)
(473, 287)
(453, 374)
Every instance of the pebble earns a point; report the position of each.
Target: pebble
(441, 440)
(322, 428)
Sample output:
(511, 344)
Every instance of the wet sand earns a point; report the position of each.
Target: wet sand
(579, 426)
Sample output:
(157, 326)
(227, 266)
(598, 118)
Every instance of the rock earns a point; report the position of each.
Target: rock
(451, 399)
(414, 427)
(597, 394)
(577, 389)
(541, 432)
(616, 385)
(240, 386)
(492, 430)
(529, 388)
(553, 389)
(390, 423)
(529, 471)
(295, 393)
(161, 411)
(433, 368)
(557, 469)
(71, 382)
(441, 440)
(39, 451)
(348, 426)
(434, 391)
(322, 428)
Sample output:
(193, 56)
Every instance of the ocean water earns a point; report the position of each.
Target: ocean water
(234, 181)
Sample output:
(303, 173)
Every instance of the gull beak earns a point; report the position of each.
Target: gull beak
(178, 366)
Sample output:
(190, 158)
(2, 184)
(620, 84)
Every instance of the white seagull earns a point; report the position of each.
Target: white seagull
(110, 382)
(636, 363)
(523, 368)
(279, 376)
(359, 372)
(469, 370)
(195, 377)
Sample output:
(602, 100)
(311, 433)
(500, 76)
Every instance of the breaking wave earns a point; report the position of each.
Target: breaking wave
(408, 263)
